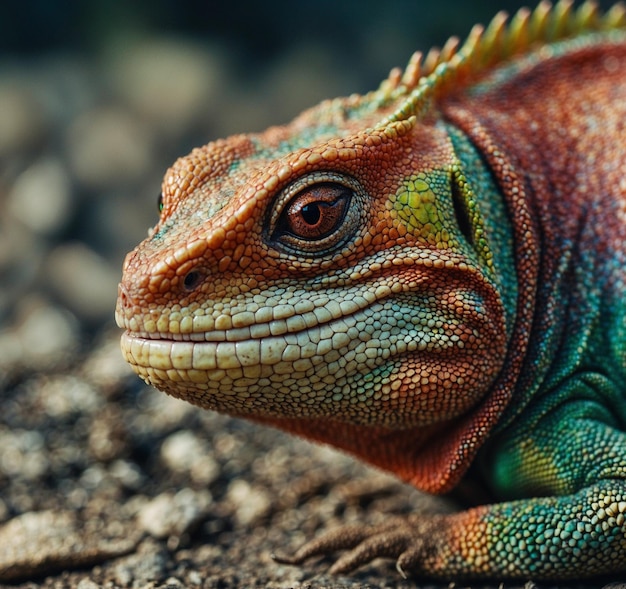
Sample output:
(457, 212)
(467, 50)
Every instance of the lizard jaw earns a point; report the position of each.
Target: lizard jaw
(320, 368)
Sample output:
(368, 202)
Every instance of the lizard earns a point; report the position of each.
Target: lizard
(430, 277)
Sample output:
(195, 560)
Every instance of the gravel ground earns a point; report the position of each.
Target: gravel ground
(105, 482)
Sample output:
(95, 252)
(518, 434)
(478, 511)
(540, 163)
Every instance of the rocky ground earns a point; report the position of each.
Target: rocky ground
(108, 483)
(103, 481)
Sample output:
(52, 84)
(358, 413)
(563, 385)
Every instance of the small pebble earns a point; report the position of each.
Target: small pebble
(42, 336)
(184, 452)
(147, 565)
(108, 147)
(65, 395)
(250, 503)
(87, 584)
(171, 514)
(194, 82)
(22, 124)
(41, 542)
(41, 198)
(83, 280)
(22, 454)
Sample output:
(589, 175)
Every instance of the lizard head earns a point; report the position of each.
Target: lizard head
(333, 268)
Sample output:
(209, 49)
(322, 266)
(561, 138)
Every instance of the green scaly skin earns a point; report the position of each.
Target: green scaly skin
(430, 277)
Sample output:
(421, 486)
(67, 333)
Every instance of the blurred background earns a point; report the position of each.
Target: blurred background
(97, 99)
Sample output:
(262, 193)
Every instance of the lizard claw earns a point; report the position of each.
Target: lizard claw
(411, 558)
(386, 544)
(343, 538)
(401, 570)
(396, 538)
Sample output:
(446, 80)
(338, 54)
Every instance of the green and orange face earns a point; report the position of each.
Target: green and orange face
(333, 268)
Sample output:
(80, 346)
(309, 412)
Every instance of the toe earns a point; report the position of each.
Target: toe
(384, 545)
(343, 538)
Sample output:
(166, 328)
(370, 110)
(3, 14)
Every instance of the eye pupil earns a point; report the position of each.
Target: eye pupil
(192, 279)
(311, 213)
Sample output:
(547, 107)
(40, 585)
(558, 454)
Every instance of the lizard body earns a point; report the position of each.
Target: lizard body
(429, 276)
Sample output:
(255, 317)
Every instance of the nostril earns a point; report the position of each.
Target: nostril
(192, 279)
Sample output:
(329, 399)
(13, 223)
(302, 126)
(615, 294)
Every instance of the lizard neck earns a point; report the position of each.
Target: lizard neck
(497, 222)
(567, 207)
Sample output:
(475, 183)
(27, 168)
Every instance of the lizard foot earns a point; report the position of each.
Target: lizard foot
(405, 539)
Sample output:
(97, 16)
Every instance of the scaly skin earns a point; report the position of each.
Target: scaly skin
(428, 276)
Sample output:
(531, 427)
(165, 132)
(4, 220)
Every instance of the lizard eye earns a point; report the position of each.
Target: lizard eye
(316, 214)
(160, 204)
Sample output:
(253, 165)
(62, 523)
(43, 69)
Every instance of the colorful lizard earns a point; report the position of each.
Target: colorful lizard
(430, 276)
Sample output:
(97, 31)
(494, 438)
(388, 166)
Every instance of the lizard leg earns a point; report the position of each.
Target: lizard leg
(576, 530)
(567, 537)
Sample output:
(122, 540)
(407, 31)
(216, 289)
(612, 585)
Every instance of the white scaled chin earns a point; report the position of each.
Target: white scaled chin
(384, 356)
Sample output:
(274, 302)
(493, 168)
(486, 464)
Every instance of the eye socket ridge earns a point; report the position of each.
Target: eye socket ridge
(316, 214)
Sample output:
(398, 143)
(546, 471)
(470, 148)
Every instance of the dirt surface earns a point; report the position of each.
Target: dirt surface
(108, 483)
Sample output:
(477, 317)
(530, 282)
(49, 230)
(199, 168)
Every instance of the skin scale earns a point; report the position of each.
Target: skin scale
(430, 277)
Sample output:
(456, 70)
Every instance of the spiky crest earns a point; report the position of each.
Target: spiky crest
(452, 67)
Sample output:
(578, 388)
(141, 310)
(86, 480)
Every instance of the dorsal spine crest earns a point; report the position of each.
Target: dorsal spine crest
(452, 68)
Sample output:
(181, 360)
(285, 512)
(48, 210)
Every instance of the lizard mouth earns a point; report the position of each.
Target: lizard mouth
(297, 344)
(308, 355)
(321, 335)
(206, 356)
(314, 371)
(307, 360)
(281, 338)
(229, 361)
(266, 321)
